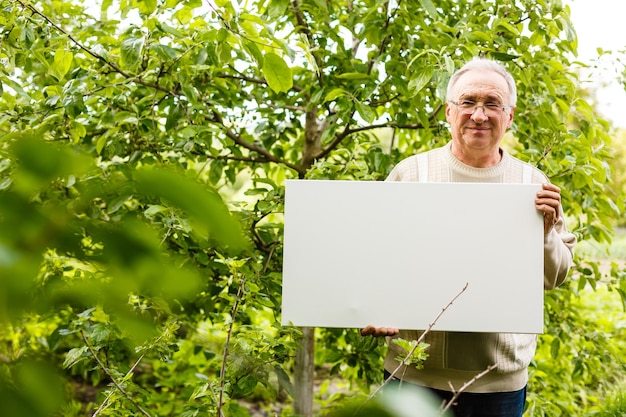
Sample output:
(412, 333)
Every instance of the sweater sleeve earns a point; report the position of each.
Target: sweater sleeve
(558, 254)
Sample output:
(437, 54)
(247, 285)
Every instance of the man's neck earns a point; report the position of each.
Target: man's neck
(476, 158)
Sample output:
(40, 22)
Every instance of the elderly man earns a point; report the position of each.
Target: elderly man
(480, 105)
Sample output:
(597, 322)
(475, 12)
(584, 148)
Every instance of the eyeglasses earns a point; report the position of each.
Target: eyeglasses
(490, 109)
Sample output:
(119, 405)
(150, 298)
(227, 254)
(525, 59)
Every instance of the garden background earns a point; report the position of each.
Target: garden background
(144, 147)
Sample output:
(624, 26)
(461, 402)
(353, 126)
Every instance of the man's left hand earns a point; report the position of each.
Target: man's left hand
(548, 201)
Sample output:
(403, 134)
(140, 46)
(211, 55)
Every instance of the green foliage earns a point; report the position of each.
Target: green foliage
(416, 353)
(395, 402)
(615, 405)
(143, 151)
(580, 355)
(351, 356)
(618, 173)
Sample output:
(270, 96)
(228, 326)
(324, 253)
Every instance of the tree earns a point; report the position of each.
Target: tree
(144, 152)
(618, 179)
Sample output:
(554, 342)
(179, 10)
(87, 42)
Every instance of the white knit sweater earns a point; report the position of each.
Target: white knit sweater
(454, 357)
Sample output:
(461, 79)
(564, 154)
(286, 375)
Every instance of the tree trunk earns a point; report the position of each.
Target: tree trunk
(312, 138)
(304, 374)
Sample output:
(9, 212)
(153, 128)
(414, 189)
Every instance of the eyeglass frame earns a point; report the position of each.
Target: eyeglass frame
(493, 106)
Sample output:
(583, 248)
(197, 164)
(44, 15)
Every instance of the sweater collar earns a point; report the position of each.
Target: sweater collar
(482, 173)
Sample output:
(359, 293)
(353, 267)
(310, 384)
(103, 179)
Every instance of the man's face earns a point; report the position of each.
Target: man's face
(479, 132)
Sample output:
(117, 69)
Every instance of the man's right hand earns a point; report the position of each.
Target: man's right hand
(379, 331)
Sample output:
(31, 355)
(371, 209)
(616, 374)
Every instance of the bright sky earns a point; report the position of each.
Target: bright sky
(599, 24)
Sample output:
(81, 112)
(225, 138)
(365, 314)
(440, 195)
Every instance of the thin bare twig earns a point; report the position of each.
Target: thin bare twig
(106, 371)
(229, 334)
(456, 393)
(130, 371)
(419, 341)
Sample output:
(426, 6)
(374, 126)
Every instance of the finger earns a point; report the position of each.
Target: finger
(548, 197)
(548, 207)
(378, 331)
(387, 331)
(551, 187)
(549, 211)
(550, 217)
(548, 202)
(368, 330)
(392, 331)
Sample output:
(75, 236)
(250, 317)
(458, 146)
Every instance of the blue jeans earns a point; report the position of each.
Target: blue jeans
(492, 404)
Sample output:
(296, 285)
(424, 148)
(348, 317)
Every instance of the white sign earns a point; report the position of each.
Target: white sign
(394, 254)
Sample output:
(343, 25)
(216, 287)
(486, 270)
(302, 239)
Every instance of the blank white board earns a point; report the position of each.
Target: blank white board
(394, 254)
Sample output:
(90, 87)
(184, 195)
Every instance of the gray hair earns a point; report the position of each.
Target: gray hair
(484, 64)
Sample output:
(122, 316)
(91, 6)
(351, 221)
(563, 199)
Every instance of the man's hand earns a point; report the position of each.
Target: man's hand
(548, 201)
(379, 331)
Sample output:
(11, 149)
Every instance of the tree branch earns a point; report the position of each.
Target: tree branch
(419, 341)
(95, 55)
(304, 29)
(254, 148)
(254, 80)
(106, 371)
(464, 387)
(229, 334)
(383, 42)
(392, 124)
(258, 240)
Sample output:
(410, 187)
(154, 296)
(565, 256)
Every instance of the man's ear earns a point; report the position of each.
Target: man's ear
(448, 110)
(511, 117)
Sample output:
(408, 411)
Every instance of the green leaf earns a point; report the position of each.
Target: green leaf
(216, 170)
(420, 80)
(154, 209)
(277, 73)
(61, 63)
(40, 162)
(146, 6)
(354, 76)
(175, 114)
(253, 50)
(184, 15)
(101, 143)
(204, 206)
(74, 356)
(29, 36)
(365, 111)
(509, 27)
(333, 94)
(249, 28)
(131, 51)
(125, 117)
(277, 8)
(501, 56)
(168, 29)
(555, 347)
(193, 3)
(164, 52)
(430, 8)
(283, 380)
(105, 5)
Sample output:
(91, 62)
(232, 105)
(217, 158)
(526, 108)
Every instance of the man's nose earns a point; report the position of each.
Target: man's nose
(479, 115)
